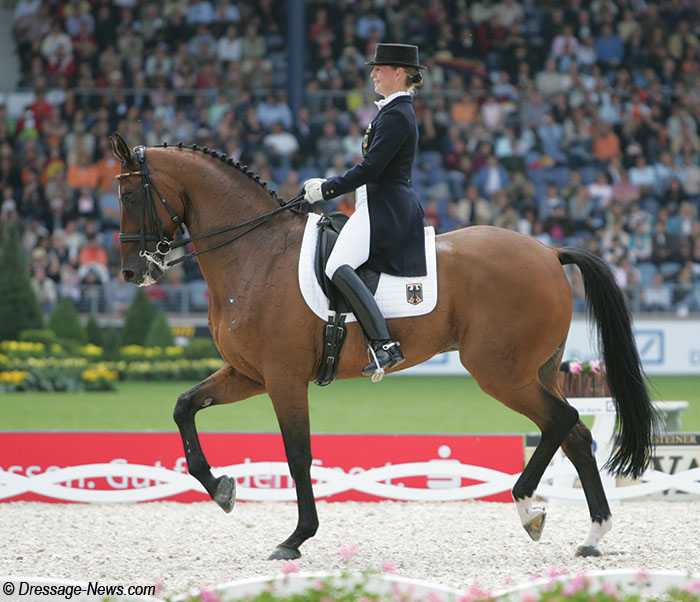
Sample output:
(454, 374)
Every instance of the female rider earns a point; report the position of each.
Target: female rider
(385, 232)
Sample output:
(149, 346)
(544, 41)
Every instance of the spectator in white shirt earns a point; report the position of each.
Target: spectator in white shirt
(644, 176)
(229, 46)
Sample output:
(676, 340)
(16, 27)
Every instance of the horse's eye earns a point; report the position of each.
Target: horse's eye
(129, 198)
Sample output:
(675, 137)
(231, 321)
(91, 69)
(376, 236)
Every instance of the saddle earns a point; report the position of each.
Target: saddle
(329, 227)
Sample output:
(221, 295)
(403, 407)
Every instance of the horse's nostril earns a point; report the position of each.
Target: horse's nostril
(128, 275)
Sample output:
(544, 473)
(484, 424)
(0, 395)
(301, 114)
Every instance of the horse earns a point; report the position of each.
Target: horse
(504, 303)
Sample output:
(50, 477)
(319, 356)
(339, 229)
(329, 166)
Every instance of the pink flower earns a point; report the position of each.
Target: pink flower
(574, 367)
(433, 597)
(577, 584)
(476, 592)
(569, 590)
(319, 585)
(159, 587)
(347, 551)
(289, 567)
(595, 365)
(528, 597)
(208, 595)
(610, 589)
(556, 572)
(643, 575)
(694, 587)
(388, 566)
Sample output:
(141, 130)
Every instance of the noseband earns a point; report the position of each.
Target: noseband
(165, 244)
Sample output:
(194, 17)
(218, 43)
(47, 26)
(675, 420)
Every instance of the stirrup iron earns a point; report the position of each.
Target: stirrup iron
(379, 371)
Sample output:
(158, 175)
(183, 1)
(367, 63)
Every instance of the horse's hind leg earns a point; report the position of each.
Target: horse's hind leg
(224, 386)
(578, 446)
(555, 418)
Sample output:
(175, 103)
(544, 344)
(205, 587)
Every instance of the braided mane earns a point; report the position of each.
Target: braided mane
(229, 161)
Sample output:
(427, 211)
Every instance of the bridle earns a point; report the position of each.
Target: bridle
(151, 227)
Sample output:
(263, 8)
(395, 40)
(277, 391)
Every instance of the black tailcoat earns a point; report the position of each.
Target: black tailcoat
(396, 217)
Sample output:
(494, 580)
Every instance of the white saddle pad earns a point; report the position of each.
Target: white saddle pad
(397, 297)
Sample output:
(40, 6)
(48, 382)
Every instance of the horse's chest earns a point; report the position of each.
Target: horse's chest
(233, 323)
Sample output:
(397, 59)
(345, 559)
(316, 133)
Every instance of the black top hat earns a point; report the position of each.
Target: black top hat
(396, 55)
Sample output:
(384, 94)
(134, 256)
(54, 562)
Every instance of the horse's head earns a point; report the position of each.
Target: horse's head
(147, 222)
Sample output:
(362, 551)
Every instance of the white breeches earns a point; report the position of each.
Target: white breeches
(352, 247)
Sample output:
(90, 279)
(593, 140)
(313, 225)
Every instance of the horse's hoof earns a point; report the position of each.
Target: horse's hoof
(225, 494)
(535, 525)
(285, 553)
(586, 551)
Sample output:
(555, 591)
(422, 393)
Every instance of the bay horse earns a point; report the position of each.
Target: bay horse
(504, 302)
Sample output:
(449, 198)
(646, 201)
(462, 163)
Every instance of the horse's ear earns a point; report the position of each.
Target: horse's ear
(121, 149)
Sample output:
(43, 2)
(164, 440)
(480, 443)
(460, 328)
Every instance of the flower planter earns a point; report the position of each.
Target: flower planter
(583, 384)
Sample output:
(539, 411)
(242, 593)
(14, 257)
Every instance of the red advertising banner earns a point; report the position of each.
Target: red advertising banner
(90, 466)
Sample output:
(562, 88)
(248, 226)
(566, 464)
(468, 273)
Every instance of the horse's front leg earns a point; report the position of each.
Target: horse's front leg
(291, 405)
(224, 386)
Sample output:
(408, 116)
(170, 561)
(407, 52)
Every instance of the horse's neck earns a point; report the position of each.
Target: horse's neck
(261, 248)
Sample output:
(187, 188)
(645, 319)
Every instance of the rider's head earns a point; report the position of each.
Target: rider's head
(396, 67)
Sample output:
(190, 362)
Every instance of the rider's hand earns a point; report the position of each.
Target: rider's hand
(312, 190)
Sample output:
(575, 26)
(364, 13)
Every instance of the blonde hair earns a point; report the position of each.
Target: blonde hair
(414, 79)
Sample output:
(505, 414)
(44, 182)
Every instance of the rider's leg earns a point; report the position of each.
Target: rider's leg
(350, 252)
(369, 316)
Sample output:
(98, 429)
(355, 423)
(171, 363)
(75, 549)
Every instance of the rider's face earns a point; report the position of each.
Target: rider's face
(387, 79)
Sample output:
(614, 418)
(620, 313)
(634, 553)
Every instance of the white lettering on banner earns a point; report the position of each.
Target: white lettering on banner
(265, 481)
(113, 483)
(438, 479)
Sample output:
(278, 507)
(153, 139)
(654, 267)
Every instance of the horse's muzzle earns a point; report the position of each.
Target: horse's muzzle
(141, 273)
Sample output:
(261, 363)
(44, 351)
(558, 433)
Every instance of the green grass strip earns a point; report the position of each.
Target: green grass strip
(407, 404)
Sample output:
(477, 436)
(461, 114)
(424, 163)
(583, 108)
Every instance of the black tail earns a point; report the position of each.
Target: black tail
(636, 417)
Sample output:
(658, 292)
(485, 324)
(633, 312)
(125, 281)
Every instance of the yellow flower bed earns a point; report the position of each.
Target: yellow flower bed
(90, 350)
(13, 377)
(99, 372)
(22, 348)
(146, 353)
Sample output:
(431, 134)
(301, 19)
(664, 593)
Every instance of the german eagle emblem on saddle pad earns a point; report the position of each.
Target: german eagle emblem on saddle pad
(397, 297)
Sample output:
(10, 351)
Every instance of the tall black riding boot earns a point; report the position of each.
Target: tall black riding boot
(385, 352)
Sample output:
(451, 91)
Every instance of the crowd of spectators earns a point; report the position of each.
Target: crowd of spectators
(575, 123)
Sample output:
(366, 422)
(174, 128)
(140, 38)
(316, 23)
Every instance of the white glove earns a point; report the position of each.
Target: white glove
(312, 190)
